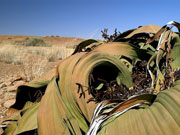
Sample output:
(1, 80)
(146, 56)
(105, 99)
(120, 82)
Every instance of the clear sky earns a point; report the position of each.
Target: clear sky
(82, 18)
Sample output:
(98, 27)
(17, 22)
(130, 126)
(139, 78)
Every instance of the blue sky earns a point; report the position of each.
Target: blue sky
(82, 18)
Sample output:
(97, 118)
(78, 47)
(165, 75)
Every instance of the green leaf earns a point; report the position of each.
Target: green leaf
(151, 60)
(10, 130)
(124, 49)
(118, 79)
(158, 79)
(82, 45)
(28, 121)
(148, 46)
(163, 113)
(127, 63)
(22, 121)
(176, 83)
(175, 54)
(100, 86)
(159, 82)
(109, 111)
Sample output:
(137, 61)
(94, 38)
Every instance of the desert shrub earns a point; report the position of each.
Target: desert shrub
(27, 38)
(36, 42)
(17, 42)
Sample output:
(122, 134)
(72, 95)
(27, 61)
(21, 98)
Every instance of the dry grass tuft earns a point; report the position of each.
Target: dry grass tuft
(34, 67)
(10, 54)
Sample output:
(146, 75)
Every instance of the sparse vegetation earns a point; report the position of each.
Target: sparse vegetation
(27, 38)
(40, 51)
(10, 55)
(16, 54)
(53, 55)
(36, 42)
(34, 68)
(17, 42)
(32, 58)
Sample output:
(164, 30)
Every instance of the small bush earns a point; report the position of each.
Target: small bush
(27, 38)
(17, 42)
(36, 42)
